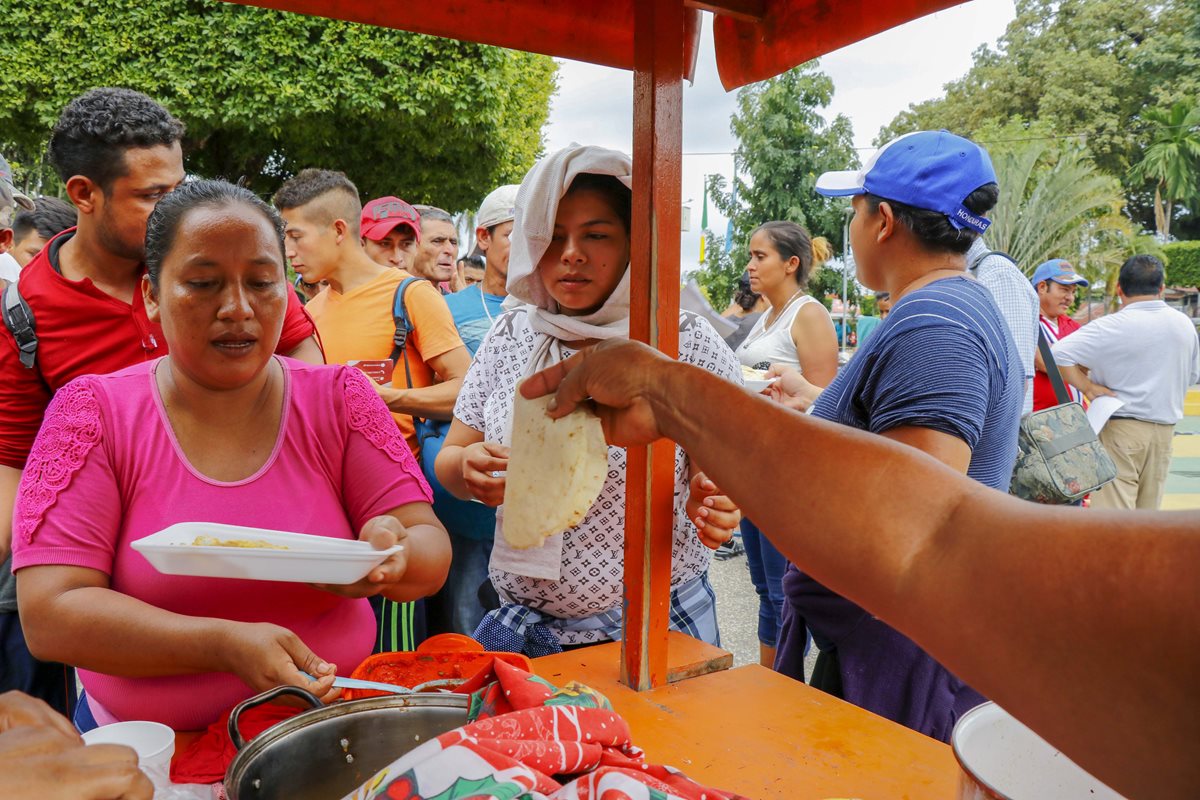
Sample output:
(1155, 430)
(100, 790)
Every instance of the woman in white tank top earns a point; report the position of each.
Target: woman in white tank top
(796, 331)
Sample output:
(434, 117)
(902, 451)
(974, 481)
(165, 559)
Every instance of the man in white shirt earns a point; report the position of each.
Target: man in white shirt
(1146, 355)
(9, 198)
(1017, 301)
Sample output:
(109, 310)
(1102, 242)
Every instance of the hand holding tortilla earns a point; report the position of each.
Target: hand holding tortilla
(1046, 653)
(568, 453)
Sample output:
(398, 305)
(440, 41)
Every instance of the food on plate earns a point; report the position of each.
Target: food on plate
(752, 374)
(213, 541)
(555, 471)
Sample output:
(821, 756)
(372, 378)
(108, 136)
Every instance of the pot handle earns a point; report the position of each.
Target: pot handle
(235, 735)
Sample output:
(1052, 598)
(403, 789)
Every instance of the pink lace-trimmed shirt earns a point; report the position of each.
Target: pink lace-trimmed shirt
(107, 470)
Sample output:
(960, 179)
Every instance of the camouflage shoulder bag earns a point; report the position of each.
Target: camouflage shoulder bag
(1059, 458)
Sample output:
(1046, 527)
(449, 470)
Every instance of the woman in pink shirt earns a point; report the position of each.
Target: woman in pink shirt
(220, 430)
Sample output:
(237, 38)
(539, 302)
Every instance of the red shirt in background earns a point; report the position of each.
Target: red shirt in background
(82, 330)
(1043, 390)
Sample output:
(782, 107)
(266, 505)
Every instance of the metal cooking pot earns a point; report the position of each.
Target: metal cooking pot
(329, 751)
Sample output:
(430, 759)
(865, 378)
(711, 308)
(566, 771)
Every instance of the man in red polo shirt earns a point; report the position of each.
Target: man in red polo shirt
(1055, 282)
(117, 152)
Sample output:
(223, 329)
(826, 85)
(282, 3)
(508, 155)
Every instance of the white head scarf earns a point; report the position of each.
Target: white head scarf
(533, 228)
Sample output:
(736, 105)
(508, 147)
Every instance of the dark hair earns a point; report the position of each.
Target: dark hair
(312, 184)
(169, 212)
(883, 295)
(746, 298)
(97, 127)
(617, 194)
(790, 239)
(50, 217)
(933, 230)
(1141, 275)
(473, 261)
(433, 214)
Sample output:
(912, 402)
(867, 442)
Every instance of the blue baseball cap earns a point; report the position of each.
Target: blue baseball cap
(931, 170)
(1058, 270)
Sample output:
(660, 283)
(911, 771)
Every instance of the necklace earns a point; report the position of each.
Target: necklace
(777, 314)
(483, 302)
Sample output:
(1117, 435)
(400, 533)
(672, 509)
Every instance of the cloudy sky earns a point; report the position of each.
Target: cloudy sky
(873, 79)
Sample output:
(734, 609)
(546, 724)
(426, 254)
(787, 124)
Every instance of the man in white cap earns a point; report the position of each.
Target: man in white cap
(9, 198)
(458, 607)
(477, 306)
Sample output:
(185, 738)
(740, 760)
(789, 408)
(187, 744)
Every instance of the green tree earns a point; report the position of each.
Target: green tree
(718, 275)
(1183, 263)
(1082, 69)
(1056, 203)
(265, 93)
(783, 145)
(1172, 160)
(1050, 198)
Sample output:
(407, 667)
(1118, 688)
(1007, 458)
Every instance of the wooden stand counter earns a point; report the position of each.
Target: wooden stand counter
(759, 733)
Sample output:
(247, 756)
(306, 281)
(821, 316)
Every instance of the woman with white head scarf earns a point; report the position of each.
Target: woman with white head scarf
(569, 282)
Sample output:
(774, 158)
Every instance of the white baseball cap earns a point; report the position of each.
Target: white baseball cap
(498, 207)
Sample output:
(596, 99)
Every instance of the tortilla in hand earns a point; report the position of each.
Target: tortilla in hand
(556, 469)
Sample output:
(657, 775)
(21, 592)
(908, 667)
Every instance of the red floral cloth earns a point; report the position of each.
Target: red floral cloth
(531, 739)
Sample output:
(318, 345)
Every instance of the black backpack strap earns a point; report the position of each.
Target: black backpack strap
(18, 318)
(403, 326)
(1056, 379)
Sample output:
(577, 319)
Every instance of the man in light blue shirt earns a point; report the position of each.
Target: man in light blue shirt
(477, 306)
(458, 606)
(1017, 301)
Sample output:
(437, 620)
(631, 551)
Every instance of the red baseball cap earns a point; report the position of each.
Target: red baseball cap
(383, 214)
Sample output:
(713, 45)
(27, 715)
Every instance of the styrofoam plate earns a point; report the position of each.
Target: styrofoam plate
(308, 559)
(758, 385)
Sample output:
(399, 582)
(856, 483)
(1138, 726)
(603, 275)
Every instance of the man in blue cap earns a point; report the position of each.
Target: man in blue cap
(941, 374)
(1055, 281)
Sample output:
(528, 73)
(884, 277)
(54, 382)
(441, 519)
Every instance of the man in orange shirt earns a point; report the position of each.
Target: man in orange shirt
(354, 314)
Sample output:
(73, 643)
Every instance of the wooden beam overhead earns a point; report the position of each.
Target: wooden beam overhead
(744, 10)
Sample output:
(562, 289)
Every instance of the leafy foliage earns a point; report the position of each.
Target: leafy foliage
(1172, 160)
(783, 145)
(1183, 263)
(826, 283)
(266, 93)
(1050, 200)
(719, 274)
(1083, 69)
(1056, 203)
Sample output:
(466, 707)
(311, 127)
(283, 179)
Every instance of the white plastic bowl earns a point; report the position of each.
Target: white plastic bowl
(1002, 759)
(153, 742)
(308, 559)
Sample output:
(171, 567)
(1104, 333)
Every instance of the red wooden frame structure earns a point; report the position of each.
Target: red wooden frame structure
(657, 39)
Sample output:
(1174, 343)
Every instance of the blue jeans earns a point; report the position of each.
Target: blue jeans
(766, 573)
(457, 607)
(45, 680)
(83, 718)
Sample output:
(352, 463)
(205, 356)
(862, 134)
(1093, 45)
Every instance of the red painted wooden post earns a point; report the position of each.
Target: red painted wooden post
(654, 319)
